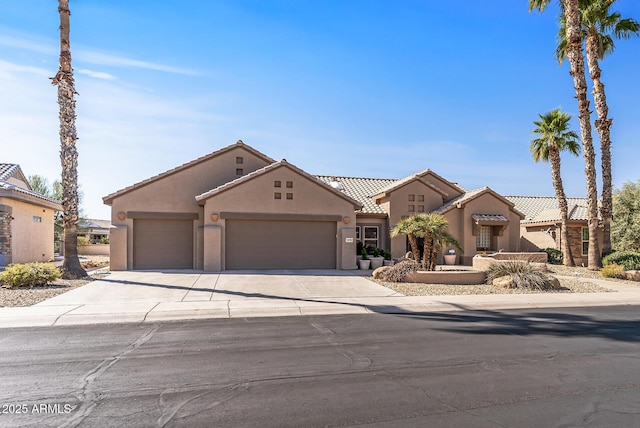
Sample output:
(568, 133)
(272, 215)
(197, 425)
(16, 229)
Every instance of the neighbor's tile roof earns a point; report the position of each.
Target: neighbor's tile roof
(7, 170)
(545, 208)
(361, 189)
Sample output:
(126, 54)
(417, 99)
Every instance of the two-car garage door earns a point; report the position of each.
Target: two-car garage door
(279, 244)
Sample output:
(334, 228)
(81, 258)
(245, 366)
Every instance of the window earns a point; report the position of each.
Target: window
(370, 236)
(412, 198)
(289, 195)
(411, 208)
(357, 233)
(420, 198)
(277, 183)
(37, 219)
(289, 184)
(483, 238)
(239, 160)
(277, 195)
(420, 208)
(239, 171)
(585, 241)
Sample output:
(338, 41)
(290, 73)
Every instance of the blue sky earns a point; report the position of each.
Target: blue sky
(369, 88)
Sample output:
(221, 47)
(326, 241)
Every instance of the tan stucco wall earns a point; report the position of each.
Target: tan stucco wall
(257, 196)
(94, 250)
(31, 241)
(443, 185)
(397, 205)
(176, 193)
(461, 225)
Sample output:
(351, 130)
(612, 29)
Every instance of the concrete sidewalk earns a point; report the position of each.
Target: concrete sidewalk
(147, 297)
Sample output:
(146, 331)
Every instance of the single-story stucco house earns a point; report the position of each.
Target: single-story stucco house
(237, 208)
(540, 228)
(26, 219)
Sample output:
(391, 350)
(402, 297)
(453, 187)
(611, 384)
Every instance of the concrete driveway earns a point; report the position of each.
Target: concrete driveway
(142, 296)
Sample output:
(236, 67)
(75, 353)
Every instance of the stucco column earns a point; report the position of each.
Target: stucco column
(118, 247)
(347, 246)
(212, 248)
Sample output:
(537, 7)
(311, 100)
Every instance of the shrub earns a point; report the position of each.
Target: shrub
(83, 241)
(524, 275)
(29, 274)
(629, 259)
(554, 256)
(613, 270)
(399, 271)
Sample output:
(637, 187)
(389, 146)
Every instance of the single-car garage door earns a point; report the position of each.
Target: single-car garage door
(275, 244)
(162, 244)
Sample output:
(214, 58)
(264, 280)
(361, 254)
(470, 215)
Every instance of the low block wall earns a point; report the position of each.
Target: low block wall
(482, 262)
(465, 277)
(95, 250)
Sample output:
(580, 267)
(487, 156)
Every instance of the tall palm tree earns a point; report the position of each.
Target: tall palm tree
(433, 229)
(575, 55)
(408, 226)
(600, 27)
(554, 137)
(71, 267)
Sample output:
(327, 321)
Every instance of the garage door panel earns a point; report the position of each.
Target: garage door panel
(162, 244)
(271, 244)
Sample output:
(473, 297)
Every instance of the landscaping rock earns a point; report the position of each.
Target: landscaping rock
(555, 283)
(379, 272)
(632, 275)
(504, 282)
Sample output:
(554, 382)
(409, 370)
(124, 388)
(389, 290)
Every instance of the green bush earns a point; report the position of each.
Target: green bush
(613, 270)
(554, 256)
(524, 275)
(629, 259)
(397, 272)
(29, 274)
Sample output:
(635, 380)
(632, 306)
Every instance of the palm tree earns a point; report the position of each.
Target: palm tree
(408, 226)
(599, 28)
(71, 267)
(555, 137)
(433, 229)
(575, 55)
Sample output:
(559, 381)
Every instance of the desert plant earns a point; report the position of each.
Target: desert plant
(630, 260)
(554, 256)
(613, 270)
(399, 271)
(524, 275)
(82, 241)
(386, 255)
(29, 274)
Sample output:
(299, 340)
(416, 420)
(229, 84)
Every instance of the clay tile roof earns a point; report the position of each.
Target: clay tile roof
(461, 199)
(545, 208)
(7, 170)
(361, 189)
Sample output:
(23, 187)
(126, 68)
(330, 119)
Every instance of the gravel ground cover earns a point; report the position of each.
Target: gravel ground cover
(578, 284)
(13, 297)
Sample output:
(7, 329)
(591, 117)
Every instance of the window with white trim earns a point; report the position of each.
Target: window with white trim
(483, 238)
(370, 236)
(585, 241)
(357, 233)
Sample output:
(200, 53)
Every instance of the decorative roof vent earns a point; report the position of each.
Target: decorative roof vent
(336, 184)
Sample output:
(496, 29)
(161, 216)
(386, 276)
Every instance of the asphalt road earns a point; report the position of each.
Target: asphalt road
(538, 368)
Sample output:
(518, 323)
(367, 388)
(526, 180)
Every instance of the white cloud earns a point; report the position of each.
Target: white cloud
(97, 74)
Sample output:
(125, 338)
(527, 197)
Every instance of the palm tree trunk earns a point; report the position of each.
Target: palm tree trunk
(428, 245)
(603, 125)
(556, 178)
(414, 247)
(435, 249)
(71, 267)
(576, 60)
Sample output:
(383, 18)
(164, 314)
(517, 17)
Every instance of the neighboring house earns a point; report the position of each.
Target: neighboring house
(237, 208)
(541, 227)
(26, 219)
(96, 231)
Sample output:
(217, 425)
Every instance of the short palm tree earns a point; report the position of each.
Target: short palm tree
(600, 27)
(71, 267)
(433, 229)
(554, 137)
(575, 55)
(408, 226)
